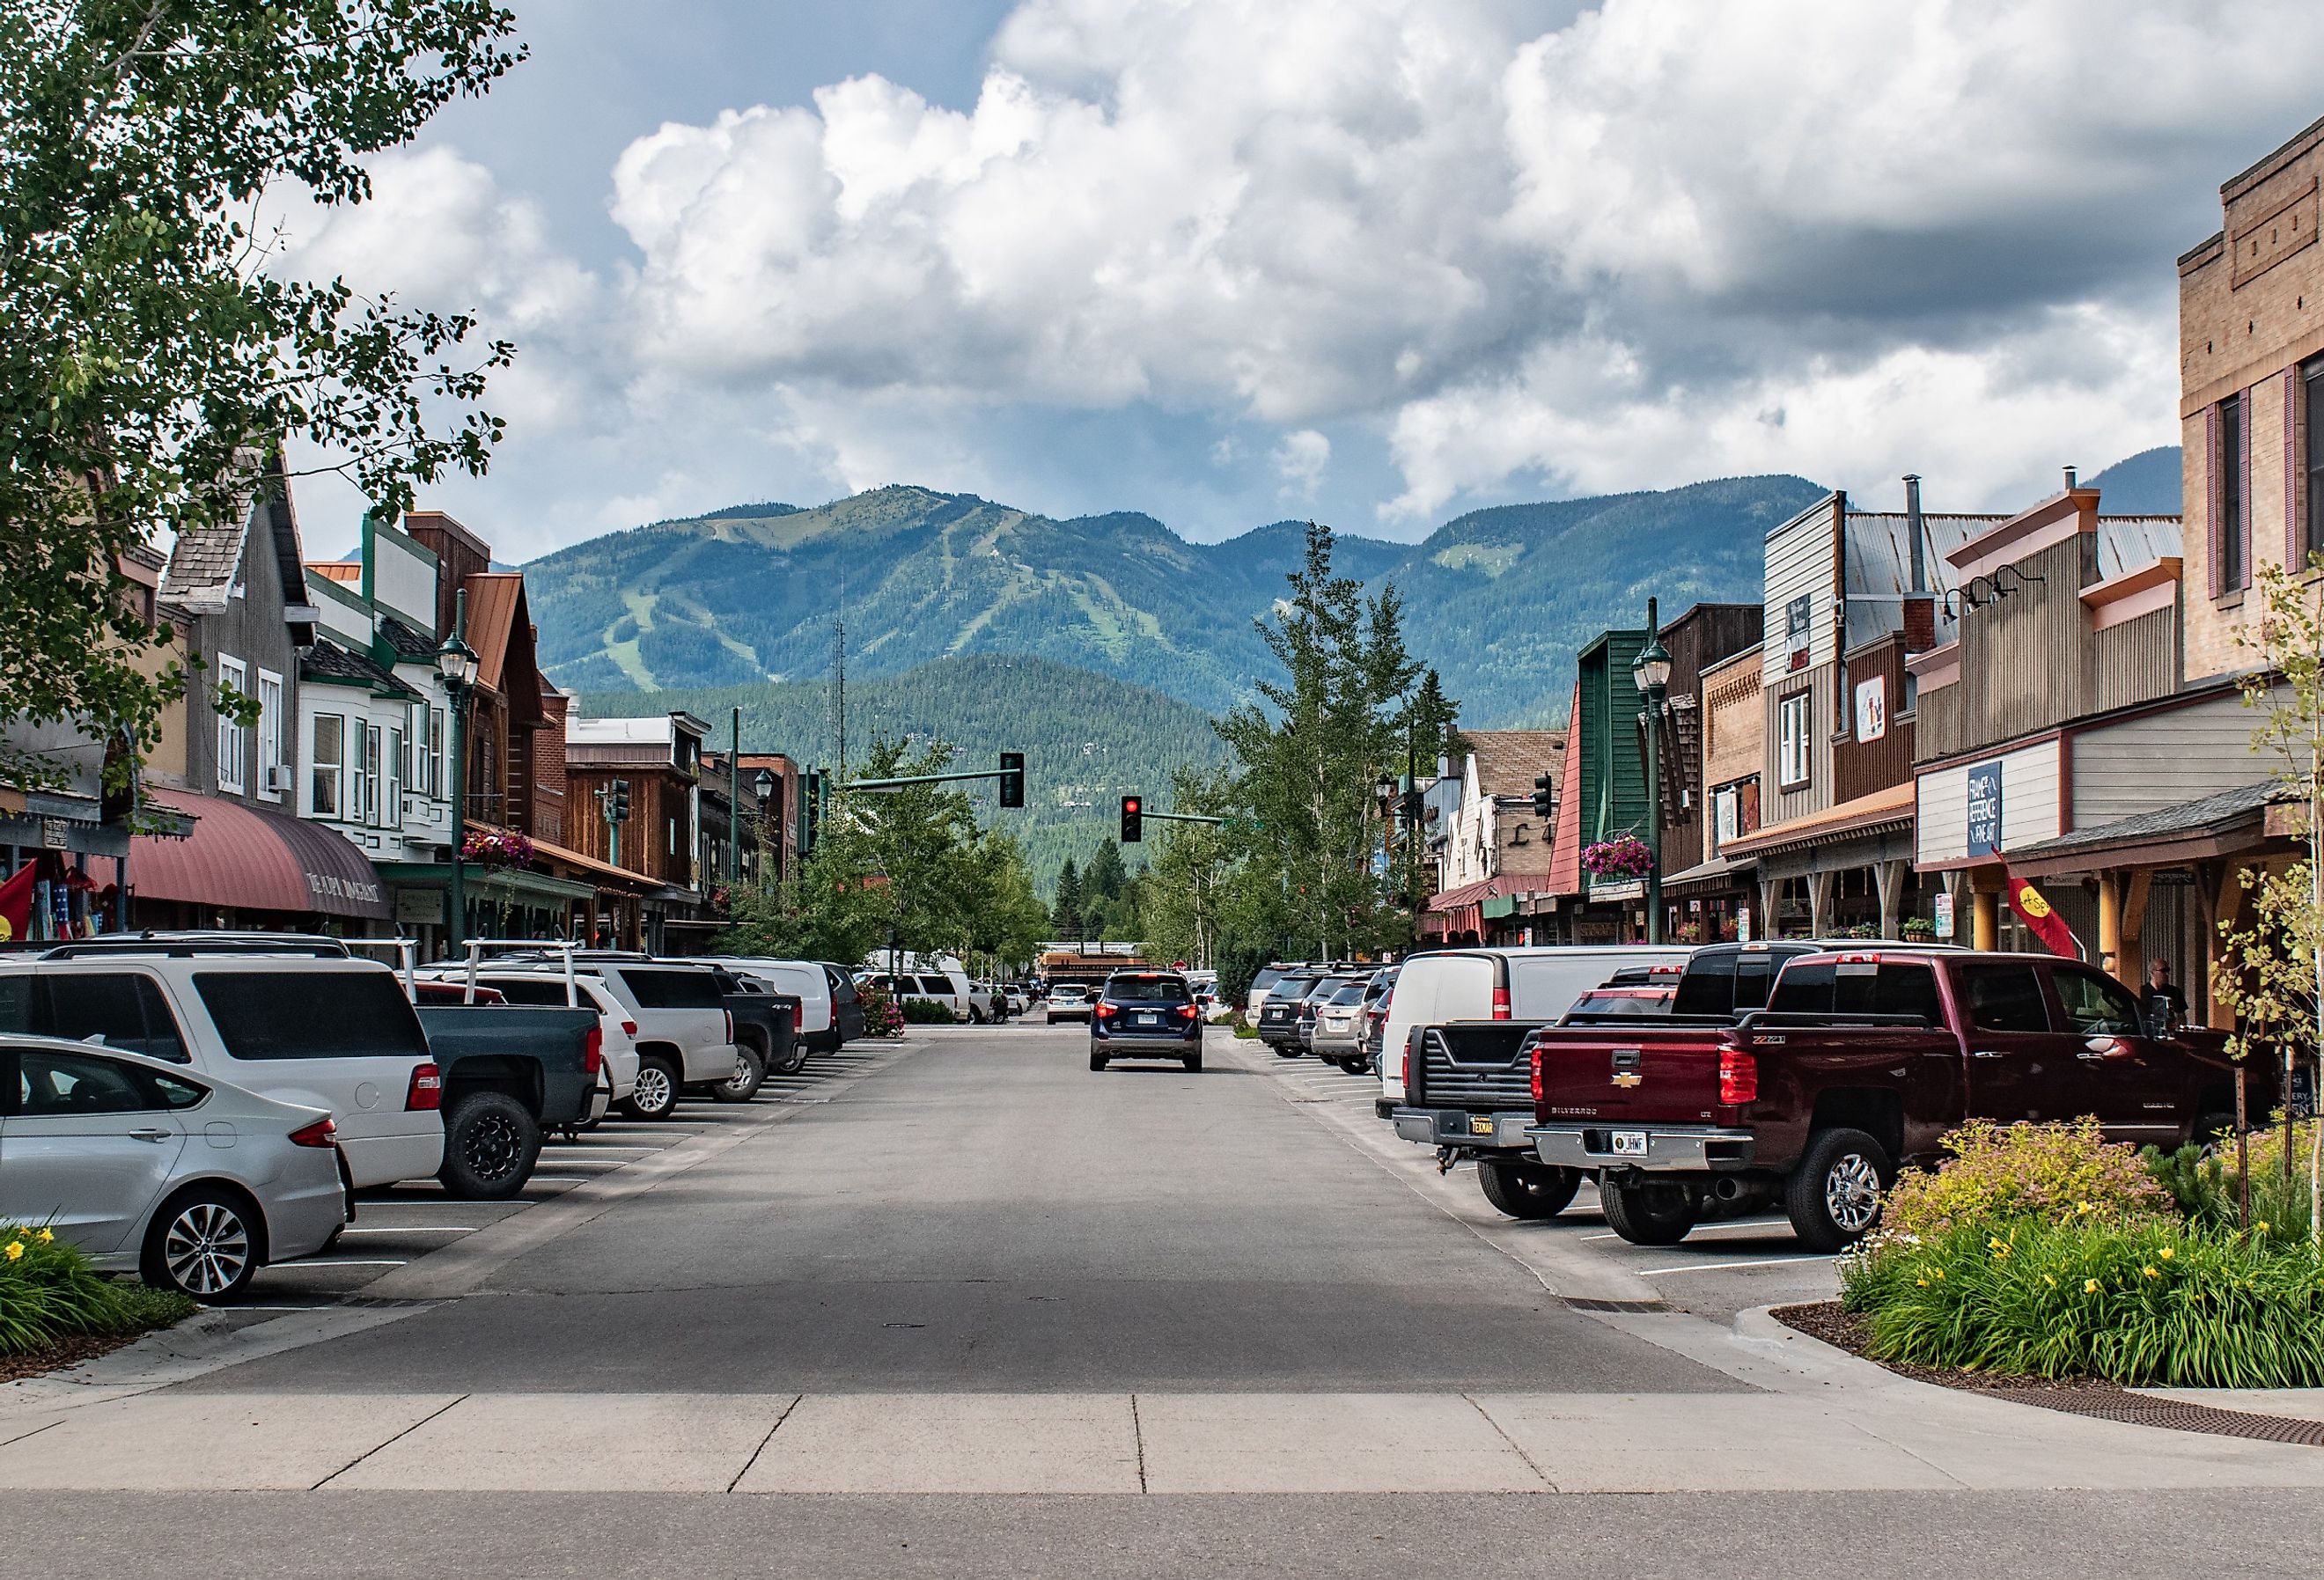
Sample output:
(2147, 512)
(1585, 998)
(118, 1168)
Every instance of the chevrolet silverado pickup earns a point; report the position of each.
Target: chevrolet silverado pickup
(1860, 1062)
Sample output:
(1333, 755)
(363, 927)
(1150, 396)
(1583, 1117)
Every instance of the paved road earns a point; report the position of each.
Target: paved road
(988, 1214)
(1221, 1309)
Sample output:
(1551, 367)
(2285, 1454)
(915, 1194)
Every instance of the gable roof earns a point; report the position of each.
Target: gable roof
(207, 559)
(1507, 761)
(495, 603)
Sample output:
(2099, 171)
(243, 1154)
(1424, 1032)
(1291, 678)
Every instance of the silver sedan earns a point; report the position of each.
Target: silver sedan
(192, 1183)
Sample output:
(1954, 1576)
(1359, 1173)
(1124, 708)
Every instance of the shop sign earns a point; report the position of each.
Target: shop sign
(56, 834)
(1944, 913)
(1985, 809)
(1798, 615)
(1742, 924)
(420, 906)
(1871, 709)
(2172, 878)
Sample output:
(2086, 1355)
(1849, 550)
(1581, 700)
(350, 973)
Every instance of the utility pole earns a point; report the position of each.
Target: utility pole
(734, 804)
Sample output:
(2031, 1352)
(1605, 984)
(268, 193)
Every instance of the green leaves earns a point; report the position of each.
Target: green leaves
(152, 361)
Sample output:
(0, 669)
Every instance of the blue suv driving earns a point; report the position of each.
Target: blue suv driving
(1146, 1015)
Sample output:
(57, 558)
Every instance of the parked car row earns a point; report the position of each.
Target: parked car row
(192, 1107)
(1793, 1075)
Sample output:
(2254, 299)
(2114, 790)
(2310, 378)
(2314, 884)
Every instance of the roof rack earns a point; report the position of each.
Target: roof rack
(186, 946)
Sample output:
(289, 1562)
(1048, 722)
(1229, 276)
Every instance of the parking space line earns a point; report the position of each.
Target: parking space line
(1714, 1267)
(1707, 1228)
(413, 1229)
(337, 1262)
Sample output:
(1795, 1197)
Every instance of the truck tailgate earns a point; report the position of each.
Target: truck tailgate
(1638, 1074)
(1475, 1064)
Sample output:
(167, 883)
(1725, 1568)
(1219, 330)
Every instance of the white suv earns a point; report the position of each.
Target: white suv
(320, 1032)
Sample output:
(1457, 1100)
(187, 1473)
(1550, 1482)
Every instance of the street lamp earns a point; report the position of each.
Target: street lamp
(456, 660)
(1651, 671)
(763, 782)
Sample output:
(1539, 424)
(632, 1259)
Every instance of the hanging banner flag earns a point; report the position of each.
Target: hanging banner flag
(2036, 913)
(16, 905)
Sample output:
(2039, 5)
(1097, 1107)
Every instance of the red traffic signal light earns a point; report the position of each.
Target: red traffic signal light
(1133, 819)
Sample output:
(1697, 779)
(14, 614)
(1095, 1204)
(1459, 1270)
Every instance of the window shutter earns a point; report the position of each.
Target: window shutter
(2243, 496)
(2214, 496)
(2293, 557)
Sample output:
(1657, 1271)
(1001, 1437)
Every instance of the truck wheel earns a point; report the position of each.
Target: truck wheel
(489, 1144)
(795, 1060)
(750, 1075)
(1527, 1190)
(1193, 1064)
(1833, 1197)
(1655, 1213)
(1097, 1059)
(656, 1093)
(1289, 1050)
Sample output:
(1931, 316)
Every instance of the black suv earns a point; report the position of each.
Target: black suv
(1145, 1014)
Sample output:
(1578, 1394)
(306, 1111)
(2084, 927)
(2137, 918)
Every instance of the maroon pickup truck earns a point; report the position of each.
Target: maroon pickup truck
(1861, 1062)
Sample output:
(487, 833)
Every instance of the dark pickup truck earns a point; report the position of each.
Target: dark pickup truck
(513, 1074)
(1468, 1085)
(1860, 1062)
(767, 1040)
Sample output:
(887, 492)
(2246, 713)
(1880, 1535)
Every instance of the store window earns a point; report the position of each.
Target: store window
(269, 733)
(1792, 725)
(232, 735)
(2310, 523)
(2231, 529)
(326, 762)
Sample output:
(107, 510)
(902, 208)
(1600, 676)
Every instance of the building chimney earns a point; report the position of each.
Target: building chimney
(2070, 479)
(1919, 608)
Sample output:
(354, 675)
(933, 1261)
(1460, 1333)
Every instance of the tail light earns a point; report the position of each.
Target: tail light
(1537, 1074)
(730, 1025)
(594, 1058)
(1739, 1077)
(629, 1028)
(1500, 1004)
(1188, 1011)
(426, 1091)
(321, 1134)
(1105, 1011)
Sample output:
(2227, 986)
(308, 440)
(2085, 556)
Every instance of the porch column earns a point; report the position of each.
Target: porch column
(1890, 876)
(2228, 897)
(1820, 905)
(1985, 910)
(2110, 927)
(1771, 896)
(2135, 888)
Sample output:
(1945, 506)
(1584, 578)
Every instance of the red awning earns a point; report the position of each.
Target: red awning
(246, 859)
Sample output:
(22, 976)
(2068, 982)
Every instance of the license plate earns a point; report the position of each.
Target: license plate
(1629, 1143)
(1149, 1020)
(1480, 1125)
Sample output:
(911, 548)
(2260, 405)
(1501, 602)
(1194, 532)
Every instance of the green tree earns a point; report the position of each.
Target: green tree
(1008, 921)
(1183, 895)
(1105, 877)
(1066, 909)
(1309, 752)
(153, 364)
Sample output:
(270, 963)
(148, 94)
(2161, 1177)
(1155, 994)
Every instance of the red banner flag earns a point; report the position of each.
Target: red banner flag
(16, 905)
(2036, 913)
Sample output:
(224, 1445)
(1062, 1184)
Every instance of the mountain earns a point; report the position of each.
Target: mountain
(1498, 599)
(2147, 483)
(1087, 738)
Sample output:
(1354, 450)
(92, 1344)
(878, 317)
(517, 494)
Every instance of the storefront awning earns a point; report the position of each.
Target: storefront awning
(242, 858)
(2222, 824)
(1882, 810)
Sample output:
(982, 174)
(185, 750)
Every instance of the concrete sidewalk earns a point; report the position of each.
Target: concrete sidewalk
(1895, 1435)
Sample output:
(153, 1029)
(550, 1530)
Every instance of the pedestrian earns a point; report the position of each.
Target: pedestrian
(2166, 1006)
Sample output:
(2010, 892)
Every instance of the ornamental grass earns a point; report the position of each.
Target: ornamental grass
(2133, 1301)
(48, 1293)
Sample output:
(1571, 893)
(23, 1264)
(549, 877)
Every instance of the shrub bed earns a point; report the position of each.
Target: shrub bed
(928, 1012)
(881, 1018)
(49, 1294)
(1999, 1172)
(2135, 1301)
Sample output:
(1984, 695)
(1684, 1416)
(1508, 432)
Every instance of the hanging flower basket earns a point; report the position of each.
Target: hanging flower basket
(1624, 856)
(498, 850)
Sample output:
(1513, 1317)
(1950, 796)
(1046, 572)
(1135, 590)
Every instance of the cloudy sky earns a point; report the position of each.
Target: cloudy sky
(1373, 260)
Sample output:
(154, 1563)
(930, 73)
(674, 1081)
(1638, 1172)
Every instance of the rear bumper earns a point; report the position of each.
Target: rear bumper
(1676, 1149)
(385, 1160)
(1457, 1127)
(1057, 1015)
(302, 1213)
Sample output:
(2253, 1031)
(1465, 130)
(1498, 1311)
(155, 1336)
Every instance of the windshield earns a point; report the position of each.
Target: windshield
(1350, 993)
(1269, 975)
(1148, 990)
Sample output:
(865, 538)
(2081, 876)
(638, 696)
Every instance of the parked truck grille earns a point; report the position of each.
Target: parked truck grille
(1482, 1087)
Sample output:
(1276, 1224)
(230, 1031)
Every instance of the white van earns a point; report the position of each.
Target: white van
(803, 980)
(1537, 983)
(320, 1032)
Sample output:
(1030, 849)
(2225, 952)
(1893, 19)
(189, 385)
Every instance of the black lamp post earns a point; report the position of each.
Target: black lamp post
(456, 660)
(770, 829)
(1651, 670)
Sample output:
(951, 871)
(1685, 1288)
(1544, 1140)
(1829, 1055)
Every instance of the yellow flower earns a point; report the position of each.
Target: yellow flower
(2049, 1280)
(1937, 1270)
(46, 1236)
(2167, 1253)
(2081, 1207)
(1920, 1283)
(16, 1250)
(2150, 1272)
(2263, 1225)
(2090, 1286)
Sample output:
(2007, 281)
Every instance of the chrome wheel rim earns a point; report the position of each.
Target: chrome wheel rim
(652, 1090)
(206, 1249)
(491, 1148)
(740, 1081)
(1851, 1193)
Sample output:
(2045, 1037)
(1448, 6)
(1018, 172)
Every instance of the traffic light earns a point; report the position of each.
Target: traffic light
(1012, 779)
(1544, 796)
(1133, 819)
(810, 811)
(617, 801)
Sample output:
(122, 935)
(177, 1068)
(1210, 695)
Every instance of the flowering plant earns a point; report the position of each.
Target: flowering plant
(498, 850)
(882, 1016)
(1625, 855)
